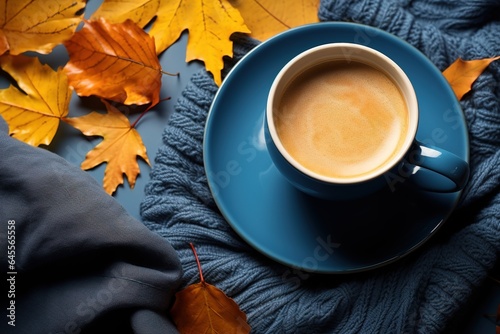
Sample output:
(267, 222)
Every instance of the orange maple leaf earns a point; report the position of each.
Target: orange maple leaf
(37, 25)
(462, 74)
(117, 62)
(266, 18)
(210, 24)
(203, 308)
(33, 110)
(120, 147)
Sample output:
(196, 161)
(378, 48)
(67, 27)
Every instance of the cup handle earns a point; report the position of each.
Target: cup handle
(434, 169)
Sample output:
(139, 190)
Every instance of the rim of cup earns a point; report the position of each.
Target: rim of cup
(350, 52)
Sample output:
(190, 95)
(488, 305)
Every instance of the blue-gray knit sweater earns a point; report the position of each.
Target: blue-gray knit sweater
(422, 293)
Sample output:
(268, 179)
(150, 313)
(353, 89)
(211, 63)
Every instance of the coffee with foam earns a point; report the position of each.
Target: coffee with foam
(342, 119)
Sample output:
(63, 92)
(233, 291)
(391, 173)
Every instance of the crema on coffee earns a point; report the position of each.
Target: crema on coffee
(342, 119)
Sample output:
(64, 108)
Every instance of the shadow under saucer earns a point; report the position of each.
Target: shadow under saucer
(370, 228)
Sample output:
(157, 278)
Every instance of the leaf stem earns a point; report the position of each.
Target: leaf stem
(140, 116)
(171, 74)
(197, 262)
(145, 112)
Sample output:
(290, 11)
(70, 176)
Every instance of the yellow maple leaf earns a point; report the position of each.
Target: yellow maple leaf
(114, 61)
(210, 24)
(266, 18)
(120, 147)
(37, 25)
(33, 112)
(461, 74)
(139, 11)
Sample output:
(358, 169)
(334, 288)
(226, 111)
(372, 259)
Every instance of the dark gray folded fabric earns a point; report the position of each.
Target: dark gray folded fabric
(82, 264)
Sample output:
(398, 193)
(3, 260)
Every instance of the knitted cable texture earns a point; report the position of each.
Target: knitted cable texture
(421, 293)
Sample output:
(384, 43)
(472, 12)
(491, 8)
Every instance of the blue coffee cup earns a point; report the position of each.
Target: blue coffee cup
(341, 121)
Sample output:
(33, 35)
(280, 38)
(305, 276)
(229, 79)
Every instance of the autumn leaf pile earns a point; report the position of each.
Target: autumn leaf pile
(114, 58)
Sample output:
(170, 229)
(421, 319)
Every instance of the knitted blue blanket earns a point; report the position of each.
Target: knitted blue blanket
(421, 293)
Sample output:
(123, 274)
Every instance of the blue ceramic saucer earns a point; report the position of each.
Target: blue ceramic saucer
(301, 231)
